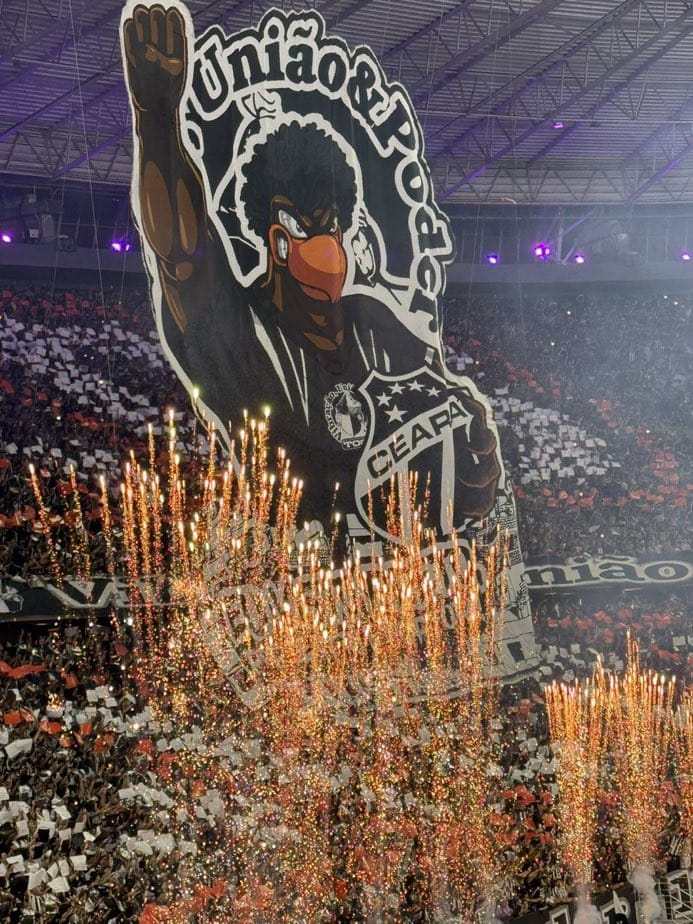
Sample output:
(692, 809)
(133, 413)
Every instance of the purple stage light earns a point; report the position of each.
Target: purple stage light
(559, 124)
(116, 246)
(686, 256)
(542, 250)
(492, 258)
(579, 258)
(6, 237)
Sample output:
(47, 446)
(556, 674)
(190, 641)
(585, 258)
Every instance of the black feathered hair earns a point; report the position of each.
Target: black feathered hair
(302, 163)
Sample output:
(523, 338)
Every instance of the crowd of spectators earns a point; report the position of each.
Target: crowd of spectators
(81, 378)
(90, 795)
(593, 395)
(600, 440)
(85, 824)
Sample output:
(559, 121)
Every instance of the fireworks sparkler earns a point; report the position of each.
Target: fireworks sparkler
(578, 726)
(45, 526)
(347, 706)
(642, 708)
(683, 742)
(360, 693)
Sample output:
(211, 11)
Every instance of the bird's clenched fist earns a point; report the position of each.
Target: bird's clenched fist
(156, 54)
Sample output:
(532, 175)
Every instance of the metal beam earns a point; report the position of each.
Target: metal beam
(327, 5)
(656, 134)
(507, 183)
(118, 88)
(64, 43)
(551, 116)
(533, 76)
(424, 30)
(86, 104)
(113, 69)
(348, 11)
(467, 58)
(663, 171)
(14, 51)
(89, 153)
(48, 107)
(614, 92)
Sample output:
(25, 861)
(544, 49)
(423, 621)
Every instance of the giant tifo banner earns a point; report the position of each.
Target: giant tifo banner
(297, 256)
(40, 597)
(586, 573)
(43, 598)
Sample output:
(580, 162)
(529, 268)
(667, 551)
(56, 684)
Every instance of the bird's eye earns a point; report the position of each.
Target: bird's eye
(292, 226)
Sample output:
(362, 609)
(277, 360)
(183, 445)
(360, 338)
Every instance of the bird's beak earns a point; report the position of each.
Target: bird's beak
(319, 266)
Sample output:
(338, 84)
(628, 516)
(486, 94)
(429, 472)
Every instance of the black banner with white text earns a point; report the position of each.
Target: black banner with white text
(42, 599)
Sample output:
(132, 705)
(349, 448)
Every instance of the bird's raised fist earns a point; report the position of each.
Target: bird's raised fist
(154, 42)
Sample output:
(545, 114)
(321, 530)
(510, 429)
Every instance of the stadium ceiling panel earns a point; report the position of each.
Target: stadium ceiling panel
(526, 101)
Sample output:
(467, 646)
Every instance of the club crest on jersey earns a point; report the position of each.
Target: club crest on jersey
(412, 417)
(345, 415)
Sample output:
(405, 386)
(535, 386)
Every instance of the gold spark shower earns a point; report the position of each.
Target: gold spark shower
(641, 730)
(347, 706)
(45, 526)
(683, 741)
(361, 692)
(578, 728)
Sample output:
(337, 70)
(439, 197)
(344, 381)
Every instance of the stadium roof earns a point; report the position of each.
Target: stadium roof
(522, 101)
